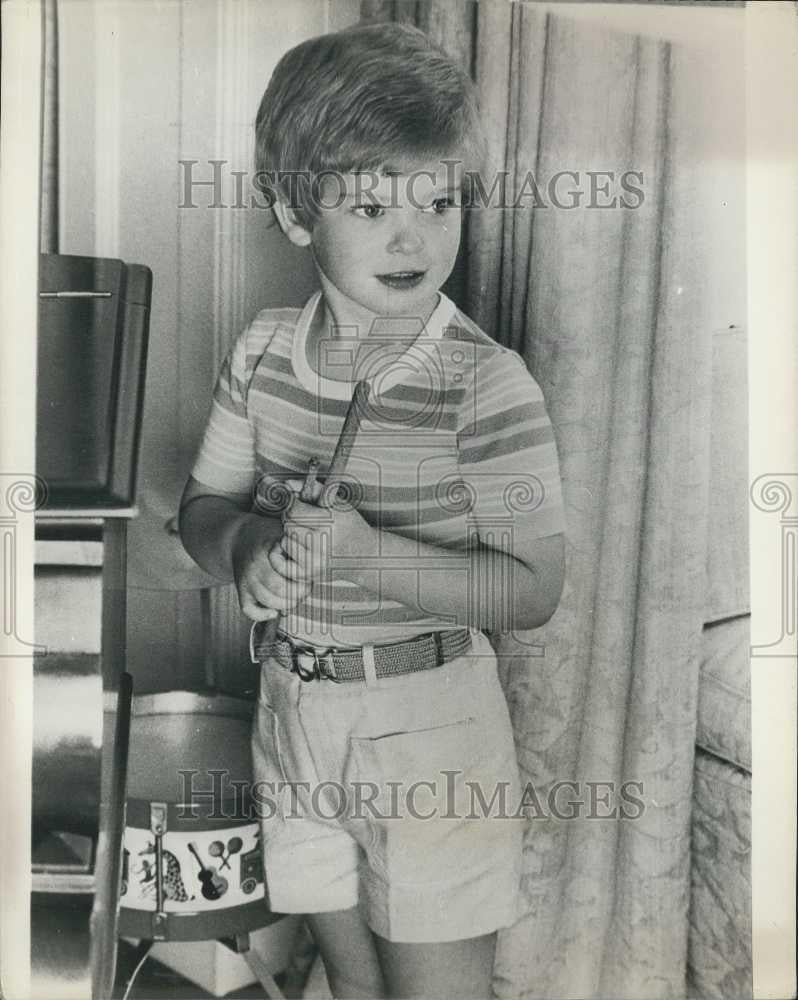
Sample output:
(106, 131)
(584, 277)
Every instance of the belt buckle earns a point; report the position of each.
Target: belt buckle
(252, 656)
(258, 652)
(321, 666)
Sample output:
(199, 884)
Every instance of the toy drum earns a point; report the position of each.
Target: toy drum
(191, 859)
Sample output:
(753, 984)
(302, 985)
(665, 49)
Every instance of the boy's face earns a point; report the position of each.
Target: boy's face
(387, 241)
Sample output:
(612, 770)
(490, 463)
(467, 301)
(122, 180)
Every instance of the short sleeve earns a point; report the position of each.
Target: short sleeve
(506, 451)
(226, 457)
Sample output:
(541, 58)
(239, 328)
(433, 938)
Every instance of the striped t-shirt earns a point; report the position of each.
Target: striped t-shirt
(455, 446)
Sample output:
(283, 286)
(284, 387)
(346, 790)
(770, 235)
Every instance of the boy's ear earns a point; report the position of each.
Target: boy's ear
(289, 224)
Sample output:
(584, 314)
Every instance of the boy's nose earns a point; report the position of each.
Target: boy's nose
(406, 239)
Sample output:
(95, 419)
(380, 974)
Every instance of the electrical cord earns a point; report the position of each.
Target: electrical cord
(144, 956)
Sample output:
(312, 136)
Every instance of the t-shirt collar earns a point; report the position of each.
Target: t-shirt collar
(333, 388)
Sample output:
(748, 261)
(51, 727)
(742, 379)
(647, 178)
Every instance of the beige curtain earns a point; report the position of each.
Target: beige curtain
(607, 308)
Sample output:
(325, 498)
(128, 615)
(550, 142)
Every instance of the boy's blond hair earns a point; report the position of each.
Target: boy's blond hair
(359, 100)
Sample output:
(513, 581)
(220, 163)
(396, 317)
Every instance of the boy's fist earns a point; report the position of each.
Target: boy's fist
(312, 536)
(265, 589)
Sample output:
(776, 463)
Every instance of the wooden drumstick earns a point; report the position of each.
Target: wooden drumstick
(338, 463)
(343, 449)
(308, 486)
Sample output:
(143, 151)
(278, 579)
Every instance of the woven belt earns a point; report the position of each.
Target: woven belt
(422, 652)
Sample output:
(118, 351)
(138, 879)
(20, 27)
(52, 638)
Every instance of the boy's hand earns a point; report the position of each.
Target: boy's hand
(313, 535)
(265, 586)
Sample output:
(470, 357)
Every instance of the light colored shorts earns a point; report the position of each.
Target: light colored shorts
(396, 795)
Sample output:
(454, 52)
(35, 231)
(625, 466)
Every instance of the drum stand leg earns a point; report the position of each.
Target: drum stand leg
(258, 967)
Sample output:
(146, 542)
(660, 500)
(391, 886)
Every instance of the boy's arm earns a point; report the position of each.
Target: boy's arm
(481, 587)
(209, 522)
(232, 544)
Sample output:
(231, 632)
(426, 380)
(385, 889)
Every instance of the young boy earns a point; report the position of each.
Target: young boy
(380, 709)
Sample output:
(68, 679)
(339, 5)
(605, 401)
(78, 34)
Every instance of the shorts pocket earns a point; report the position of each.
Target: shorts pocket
(421, 771)
(410, 755)
(425, 796)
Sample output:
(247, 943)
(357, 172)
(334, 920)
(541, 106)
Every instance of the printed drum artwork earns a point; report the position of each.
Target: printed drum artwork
(189, 817)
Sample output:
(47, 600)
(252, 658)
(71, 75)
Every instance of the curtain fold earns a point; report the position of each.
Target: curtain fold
(607, 308)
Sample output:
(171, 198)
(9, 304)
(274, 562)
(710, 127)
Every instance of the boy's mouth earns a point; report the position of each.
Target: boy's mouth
(402, 279)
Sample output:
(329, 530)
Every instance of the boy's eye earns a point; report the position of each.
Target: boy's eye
(369, 210)
(440, 205)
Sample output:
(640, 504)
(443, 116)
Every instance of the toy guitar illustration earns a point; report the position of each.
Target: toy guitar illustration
(213, 885)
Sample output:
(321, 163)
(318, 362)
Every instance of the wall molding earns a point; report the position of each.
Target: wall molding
(233, 144)
(234, 147)
(107, 129)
